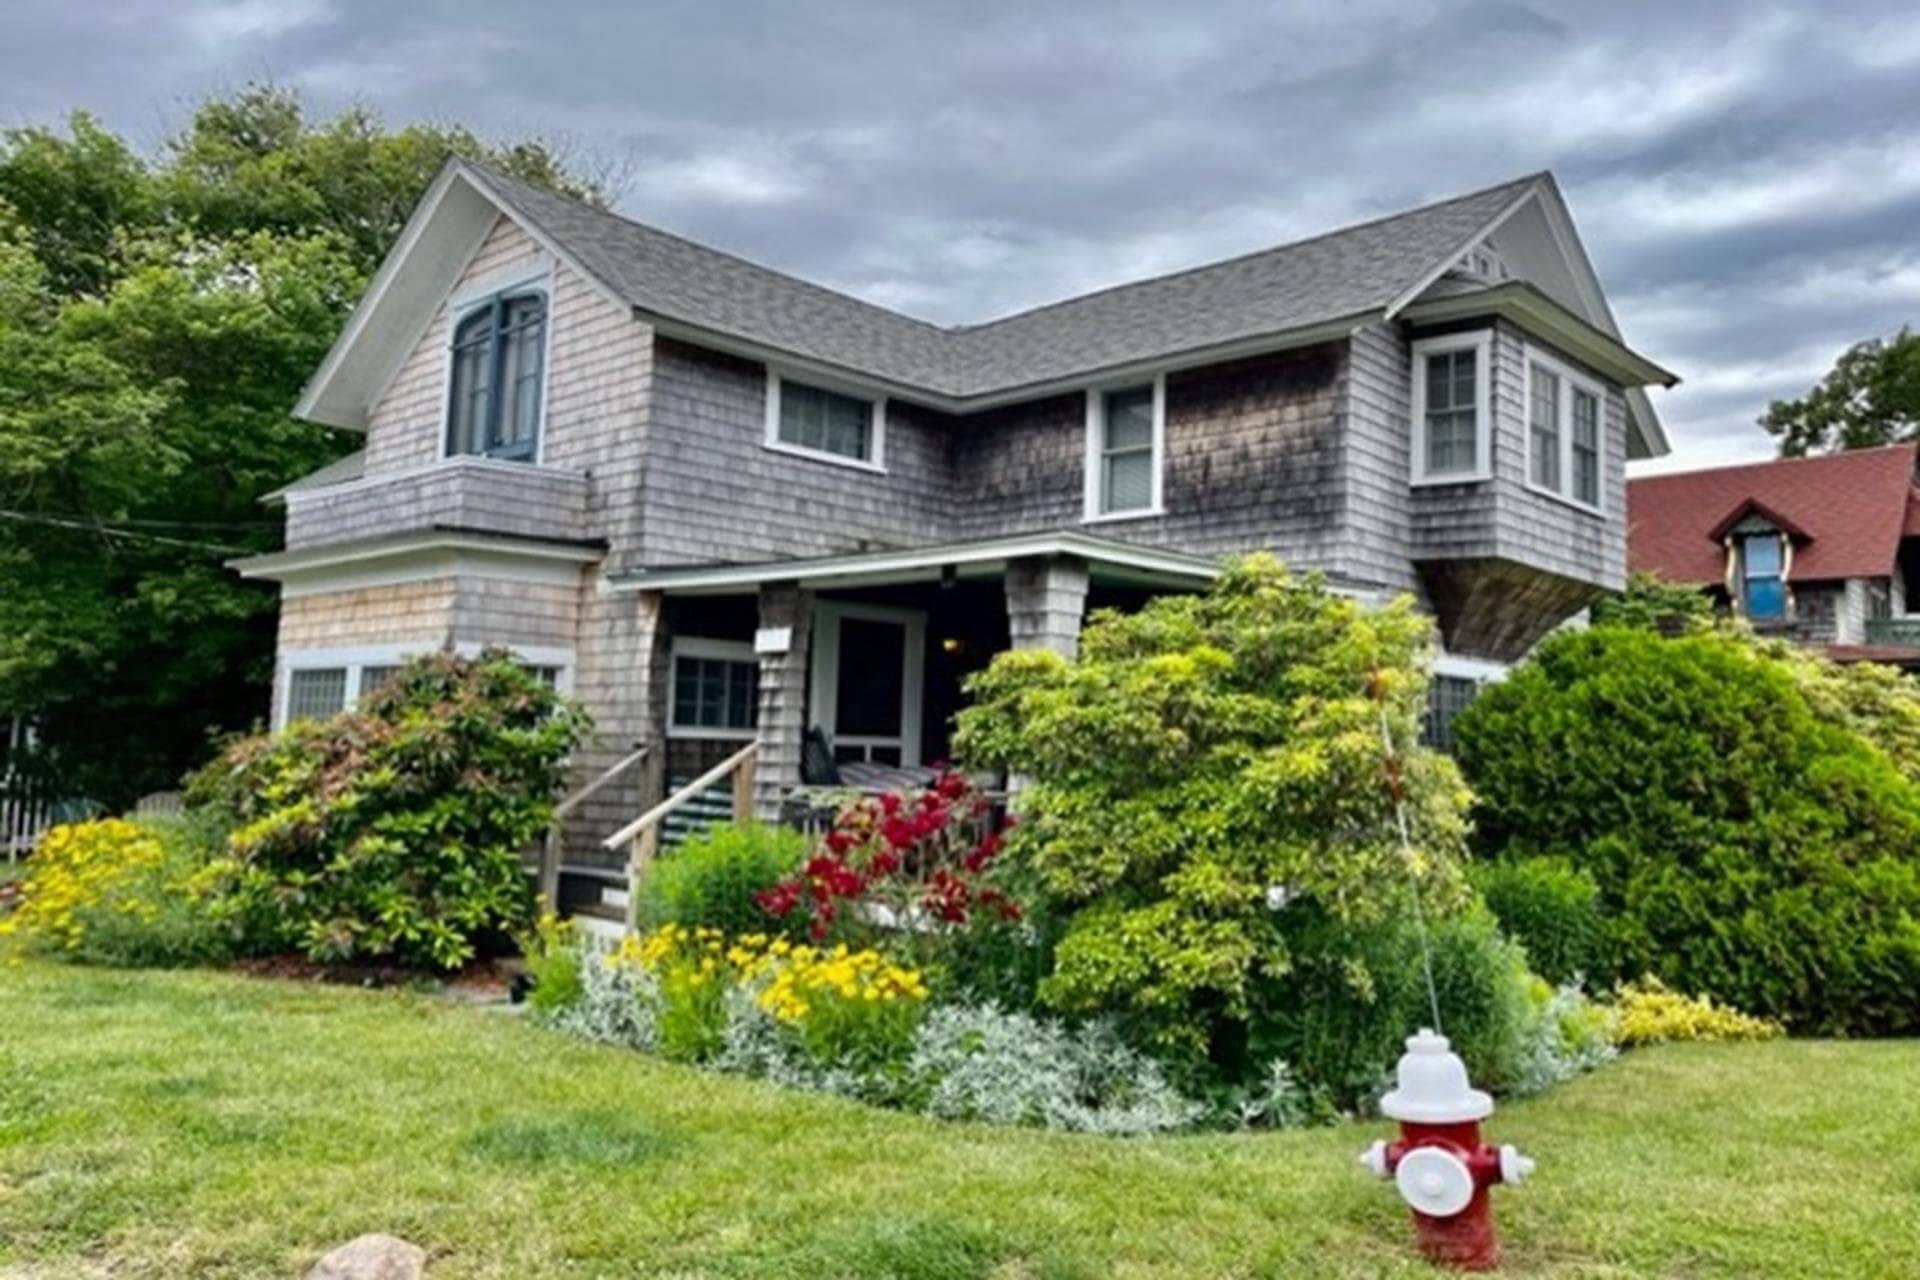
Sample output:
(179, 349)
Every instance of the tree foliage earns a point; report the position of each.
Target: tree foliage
(1654, 603)
(1870, 397)
(1744, 845)
(1199, 754)
(158, 317)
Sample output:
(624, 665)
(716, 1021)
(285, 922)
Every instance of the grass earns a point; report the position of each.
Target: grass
(198, 1124)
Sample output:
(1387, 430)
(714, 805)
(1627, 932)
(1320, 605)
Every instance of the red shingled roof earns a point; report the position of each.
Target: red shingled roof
(1847, 512)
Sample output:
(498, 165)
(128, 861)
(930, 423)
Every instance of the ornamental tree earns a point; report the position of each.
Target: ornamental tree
(1203, 760)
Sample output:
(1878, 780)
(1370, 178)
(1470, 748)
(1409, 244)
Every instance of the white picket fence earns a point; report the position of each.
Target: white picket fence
(23, 816)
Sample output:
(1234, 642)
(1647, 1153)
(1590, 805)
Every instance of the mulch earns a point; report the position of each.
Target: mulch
(482, 980)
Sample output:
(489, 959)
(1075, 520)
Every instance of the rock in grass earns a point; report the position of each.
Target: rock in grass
(372, 1257)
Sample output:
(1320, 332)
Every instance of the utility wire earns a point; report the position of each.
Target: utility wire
(129, 535)
(1398, 789)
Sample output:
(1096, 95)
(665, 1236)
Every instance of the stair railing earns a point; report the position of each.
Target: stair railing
(642, 835)
(550, 847)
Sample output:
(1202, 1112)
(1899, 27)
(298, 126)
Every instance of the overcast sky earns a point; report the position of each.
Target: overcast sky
(1747, 181)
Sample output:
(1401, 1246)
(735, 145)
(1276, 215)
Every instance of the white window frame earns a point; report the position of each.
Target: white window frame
(824, 697)
(523, 278)
(354, 659)
(876, 421)
(1570, 379)
(1480, 342)
(1096, 440)
(721, 650)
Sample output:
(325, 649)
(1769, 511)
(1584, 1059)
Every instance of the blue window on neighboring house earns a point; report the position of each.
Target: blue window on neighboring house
(493, 404)
(1763, 590)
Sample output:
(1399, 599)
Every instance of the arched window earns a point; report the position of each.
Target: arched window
(494, 400)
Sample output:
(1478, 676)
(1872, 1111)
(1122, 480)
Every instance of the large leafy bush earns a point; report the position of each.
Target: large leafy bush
(1203, 758)
(1744, 846)
(394, 830)
(1552, 909)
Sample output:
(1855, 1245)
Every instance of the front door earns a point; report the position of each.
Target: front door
(868, 669)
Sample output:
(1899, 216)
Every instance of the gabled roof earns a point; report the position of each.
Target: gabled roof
(1328, 283)
(1846, 513)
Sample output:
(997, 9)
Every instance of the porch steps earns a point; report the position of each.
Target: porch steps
(715, 804)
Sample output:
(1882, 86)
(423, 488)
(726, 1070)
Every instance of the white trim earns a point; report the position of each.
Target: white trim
(1095, 452)
(1485, 670)
(355, 658)
(510, 278)
(1479, 341)
(519, 281)
(346, 566)
(875, 401)
(740, 651)
(987, 558)
(1426, 278)
(824, 695)
(1570, 378)
(298, 497)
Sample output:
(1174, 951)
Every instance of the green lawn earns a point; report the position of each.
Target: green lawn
(206, 1125)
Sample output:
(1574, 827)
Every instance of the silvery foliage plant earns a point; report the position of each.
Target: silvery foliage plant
(616, 1006)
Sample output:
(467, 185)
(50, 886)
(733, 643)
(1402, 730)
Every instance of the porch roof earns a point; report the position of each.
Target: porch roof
(1111, 562)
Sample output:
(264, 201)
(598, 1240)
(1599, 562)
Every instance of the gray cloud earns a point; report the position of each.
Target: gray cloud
(1747, 178)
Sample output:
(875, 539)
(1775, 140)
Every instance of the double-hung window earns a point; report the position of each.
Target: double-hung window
(835, 426)
(498, 373)
(1450, 403)
(716, 689)
(1564, 440)
(1126, 431)
(314, 693)
(1763, 590)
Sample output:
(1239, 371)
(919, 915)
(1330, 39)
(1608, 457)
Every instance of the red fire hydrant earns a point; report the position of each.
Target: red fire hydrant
(1439, 1163)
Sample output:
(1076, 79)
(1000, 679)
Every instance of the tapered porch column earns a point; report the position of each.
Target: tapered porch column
(784, 607)
(1046, 603)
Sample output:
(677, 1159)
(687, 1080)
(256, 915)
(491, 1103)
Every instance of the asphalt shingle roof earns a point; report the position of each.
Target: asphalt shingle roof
(1329, 277)
(1849, 510)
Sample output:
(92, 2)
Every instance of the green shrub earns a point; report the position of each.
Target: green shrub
(1340, 1019)
(1646, 1012)
(394, 830)
(1742, 845)
(1198, 754)
(1549, 907)
(555, 959)
(712, 877)
(119, 892)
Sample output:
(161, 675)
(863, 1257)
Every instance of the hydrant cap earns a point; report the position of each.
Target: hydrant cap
(1432, 1085)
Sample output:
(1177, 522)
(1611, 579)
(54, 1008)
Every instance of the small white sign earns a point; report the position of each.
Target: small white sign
(773, 640)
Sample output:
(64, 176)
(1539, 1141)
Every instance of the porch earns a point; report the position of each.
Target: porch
(844, 670)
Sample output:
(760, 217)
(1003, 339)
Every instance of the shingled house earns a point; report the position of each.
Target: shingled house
(1822, 550)
(723, 505)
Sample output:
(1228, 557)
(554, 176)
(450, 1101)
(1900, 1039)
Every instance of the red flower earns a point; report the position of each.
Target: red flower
(899, 832)
(890, 803)
(884, 863)
(839, 841)
(951, 785)
(780, 898)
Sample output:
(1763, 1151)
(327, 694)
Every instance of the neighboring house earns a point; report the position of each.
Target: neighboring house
(1819, 550)
(719, 503)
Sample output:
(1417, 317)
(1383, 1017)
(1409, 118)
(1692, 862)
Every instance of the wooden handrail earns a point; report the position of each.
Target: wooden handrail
(644, 831)
(654, 816)
(550, 847)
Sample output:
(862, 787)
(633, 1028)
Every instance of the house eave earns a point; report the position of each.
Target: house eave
(1532, 310)
(335, 558)
(988, 557)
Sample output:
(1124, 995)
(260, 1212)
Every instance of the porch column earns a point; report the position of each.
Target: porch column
(783, 695)
(1046, 602)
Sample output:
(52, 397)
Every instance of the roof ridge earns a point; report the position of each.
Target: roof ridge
(1198, 267)
(490, 171)
(1723, 468)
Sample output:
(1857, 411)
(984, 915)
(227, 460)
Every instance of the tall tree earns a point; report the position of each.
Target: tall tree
(158, 317)
(1870, 397)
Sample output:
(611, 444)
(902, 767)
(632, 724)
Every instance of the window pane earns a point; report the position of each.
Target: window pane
(316, 692)
(471, 393)
(815, 418)
(1129, 419)
(372, 678)
(1447, 697)
(1762, 555)
(1452, 413)
(1766, 598)
(715, 693)
(1544, 417)
(1128, 481)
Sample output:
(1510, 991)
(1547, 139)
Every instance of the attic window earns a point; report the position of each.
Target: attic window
(498, 373)
(1763, 592)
